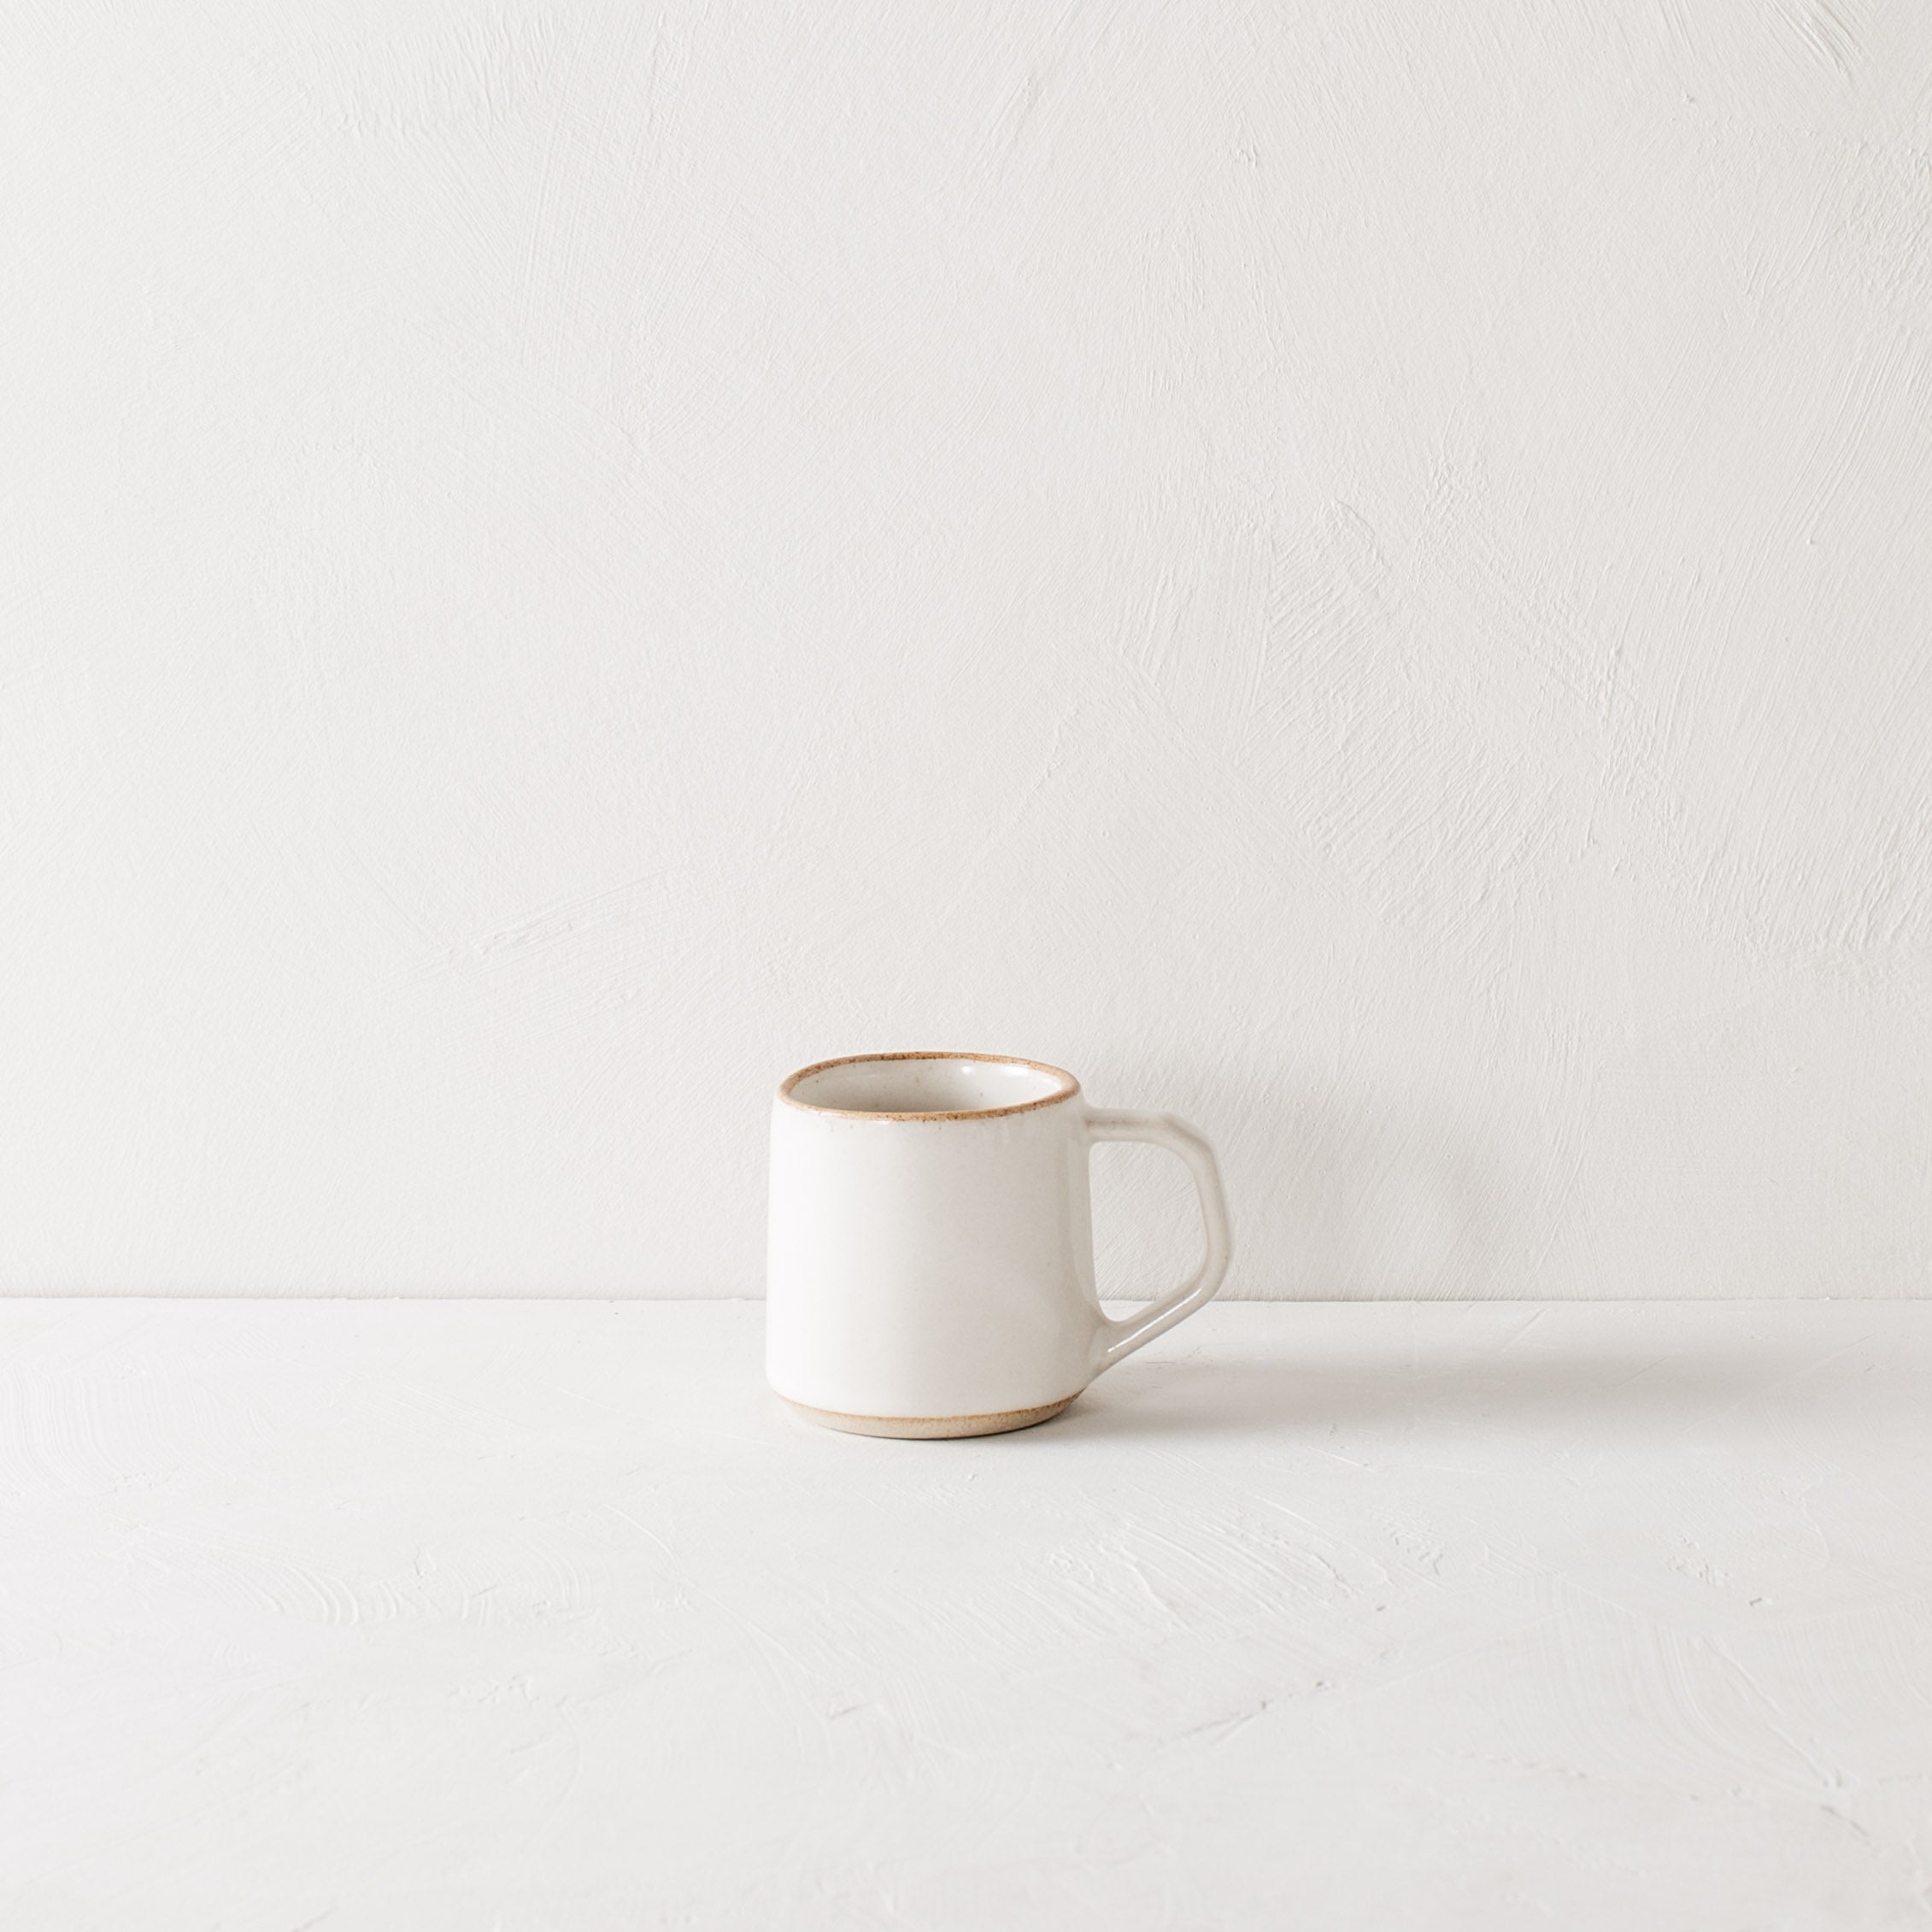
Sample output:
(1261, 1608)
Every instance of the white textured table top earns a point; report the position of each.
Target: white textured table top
(519, 1616)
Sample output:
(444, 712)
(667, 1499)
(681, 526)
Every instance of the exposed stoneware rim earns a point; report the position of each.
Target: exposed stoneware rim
(929, 1428)
(1069, 1087)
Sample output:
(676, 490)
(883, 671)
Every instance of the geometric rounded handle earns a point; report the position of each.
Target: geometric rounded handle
(1121, 1339)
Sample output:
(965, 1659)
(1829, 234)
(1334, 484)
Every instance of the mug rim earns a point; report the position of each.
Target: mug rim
(1069, 1089)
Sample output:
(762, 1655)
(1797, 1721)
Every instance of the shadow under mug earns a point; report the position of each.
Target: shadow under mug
(930, 1265)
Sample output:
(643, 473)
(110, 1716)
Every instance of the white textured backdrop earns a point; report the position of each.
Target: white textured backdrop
(1364, 573)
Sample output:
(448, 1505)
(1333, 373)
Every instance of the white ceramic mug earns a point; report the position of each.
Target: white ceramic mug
(931, 1258)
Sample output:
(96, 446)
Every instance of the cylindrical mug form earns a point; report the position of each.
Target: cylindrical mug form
(931, 1268)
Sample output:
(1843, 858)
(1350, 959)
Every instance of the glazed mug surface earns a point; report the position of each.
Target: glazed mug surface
(931, 1265)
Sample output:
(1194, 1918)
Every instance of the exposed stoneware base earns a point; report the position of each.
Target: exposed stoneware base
(928, 1428)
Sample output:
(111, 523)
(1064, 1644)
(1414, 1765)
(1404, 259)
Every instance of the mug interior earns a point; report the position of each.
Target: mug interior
(926, 1086)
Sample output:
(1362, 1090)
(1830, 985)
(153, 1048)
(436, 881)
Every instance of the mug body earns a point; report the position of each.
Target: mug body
(930, 1266)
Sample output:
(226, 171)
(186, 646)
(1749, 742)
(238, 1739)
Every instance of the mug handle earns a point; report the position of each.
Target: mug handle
(1122, 1338)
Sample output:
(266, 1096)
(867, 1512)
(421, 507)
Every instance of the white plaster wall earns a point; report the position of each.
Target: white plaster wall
(1361, 572)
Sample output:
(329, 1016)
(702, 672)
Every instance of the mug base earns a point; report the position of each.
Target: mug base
(928, 1429)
